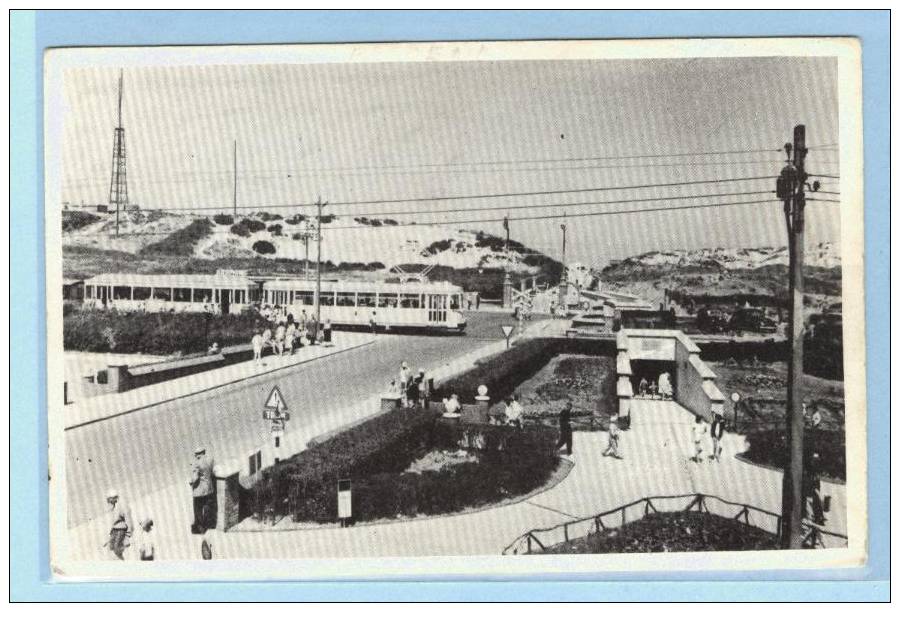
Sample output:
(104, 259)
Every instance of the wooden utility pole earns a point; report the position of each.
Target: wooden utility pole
(235, 178)
(319, 206)
(791, 188)
(564, 278)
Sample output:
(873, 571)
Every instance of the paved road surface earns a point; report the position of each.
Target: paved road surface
(151, 449)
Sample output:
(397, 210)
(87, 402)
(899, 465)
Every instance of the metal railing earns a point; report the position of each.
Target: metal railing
(541, 539)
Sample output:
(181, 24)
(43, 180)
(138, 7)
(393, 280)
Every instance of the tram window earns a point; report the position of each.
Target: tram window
(387, 300)
(366, 299)
(162, 293)
(202, 294)
(121, 292)
(305, 298)
(410, 301)
(346, 299)
(89, 291)
(239, 296)
(182, 294)
(454, 301)
(141, 293)
(326, 299)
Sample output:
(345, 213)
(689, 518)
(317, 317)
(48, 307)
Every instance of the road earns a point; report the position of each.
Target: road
(152, 448)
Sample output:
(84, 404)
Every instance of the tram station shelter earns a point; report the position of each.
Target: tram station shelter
(210, 293)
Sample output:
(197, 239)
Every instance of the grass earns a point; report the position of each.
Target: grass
(670, 532)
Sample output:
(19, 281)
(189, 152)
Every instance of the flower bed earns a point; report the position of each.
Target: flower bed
(668, 532)
(376, 455)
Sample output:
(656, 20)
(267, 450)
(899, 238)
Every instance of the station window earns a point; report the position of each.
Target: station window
(141, 293)
(366, 299)
(162, 293)
(202, 294)
(410, 301)
(182, 294)
(345, 299)
(326, 299)
(89, 291)
(121, 292)
(305, 298)
(454, 301)
(387, 300)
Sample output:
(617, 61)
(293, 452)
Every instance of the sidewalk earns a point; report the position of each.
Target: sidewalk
(656, 461)
(90, 410)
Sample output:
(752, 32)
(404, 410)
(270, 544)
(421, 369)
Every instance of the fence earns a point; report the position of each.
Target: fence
(542, 539)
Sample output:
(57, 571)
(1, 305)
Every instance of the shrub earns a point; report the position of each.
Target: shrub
(296, 219)
(374, 455)
(223, 219)
(247, 227)
(183, 241)
(264, 247)
(327, 218)
(266, 216)
(438, 246)
(274, 229)
(72, 220)
(769, 447)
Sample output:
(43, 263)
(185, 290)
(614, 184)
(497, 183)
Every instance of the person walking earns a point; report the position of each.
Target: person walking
(642, 387)
(612, 447)
(279, 339)
(267, 338)
(699, 430)
(412, 392)
(203, 491)
(289, 335)
(565, 428)
(327, 331)
(665, 386)
(145, 542)
(257, 343)
(717, 431)
(120, 525)
(424, 393)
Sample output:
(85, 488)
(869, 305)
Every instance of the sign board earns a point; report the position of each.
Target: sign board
(277, 426)
(275, 408)
(507, 330)
(345, 508)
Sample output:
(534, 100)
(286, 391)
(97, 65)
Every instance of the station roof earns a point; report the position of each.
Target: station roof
(437, 287)
(207, 281)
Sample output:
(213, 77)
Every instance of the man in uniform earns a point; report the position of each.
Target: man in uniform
(203, 490)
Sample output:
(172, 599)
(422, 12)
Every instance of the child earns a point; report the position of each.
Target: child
(612, 447)
(717, 430)
(146, 546)
(700, 431)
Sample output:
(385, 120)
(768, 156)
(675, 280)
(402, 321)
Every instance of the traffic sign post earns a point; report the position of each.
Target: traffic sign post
(275, 411)
(507, 331)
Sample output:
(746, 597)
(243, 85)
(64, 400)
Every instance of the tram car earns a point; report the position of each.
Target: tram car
(380, 305)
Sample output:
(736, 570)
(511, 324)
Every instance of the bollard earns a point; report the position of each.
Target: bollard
(482, 404)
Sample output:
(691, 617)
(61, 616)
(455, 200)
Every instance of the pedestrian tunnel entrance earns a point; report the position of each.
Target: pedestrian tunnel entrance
(664, 357)
(649, 375)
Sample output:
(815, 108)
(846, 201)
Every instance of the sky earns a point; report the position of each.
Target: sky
(373, 131)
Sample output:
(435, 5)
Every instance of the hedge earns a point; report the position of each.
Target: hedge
(769, 447)
(375, 454)
(94, 330)
(505, 371)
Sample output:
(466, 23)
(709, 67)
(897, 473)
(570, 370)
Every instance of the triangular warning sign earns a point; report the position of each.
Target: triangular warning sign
(507, 330)
(276, 400)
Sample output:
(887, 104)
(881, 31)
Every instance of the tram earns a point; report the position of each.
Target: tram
(210, 293)
(380, 305)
